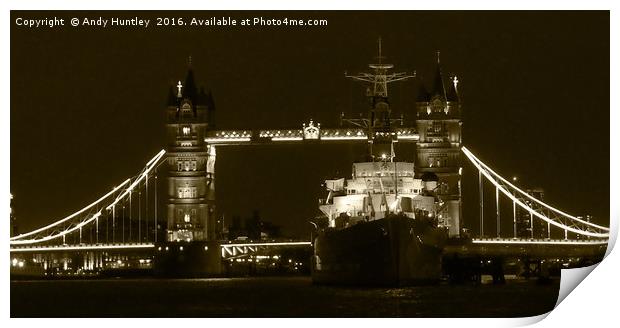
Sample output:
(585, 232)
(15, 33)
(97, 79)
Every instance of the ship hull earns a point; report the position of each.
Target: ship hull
(393, 251)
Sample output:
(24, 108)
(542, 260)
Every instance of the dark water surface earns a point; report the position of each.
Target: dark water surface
(272, 297)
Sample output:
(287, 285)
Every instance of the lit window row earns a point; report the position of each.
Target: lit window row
(384, 174)
(437, 162)
(280, 134)
(187, 192)
(187, 165)
(343, 133)
(233, 134)
(378, 191)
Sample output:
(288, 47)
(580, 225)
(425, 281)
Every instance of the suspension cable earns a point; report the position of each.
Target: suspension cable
(74, 214)
(485, 172)
(474, 158)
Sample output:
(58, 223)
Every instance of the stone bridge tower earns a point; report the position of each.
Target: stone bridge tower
(190, 163)
(438, 121)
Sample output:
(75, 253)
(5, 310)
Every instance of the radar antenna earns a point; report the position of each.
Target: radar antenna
(379, 77)
(378, 123)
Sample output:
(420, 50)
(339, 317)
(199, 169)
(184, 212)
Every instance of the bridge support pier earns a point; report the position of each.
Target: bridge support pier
(188, 259)
(536, 268)
(462, 269)
(526, 270)
(497, 270)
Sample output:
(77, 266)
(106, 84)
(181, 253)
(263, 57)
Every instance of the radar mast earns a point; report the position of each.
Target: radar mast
(378, 123)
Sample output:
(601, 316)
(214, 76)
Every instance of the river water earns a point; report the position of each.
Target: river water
(273, 297)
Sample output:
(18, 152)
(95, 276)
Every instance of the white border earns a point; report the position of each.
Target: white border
(592, 304)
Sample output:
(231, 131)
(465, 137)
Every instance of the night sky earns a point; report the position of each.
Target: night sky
(87, 104)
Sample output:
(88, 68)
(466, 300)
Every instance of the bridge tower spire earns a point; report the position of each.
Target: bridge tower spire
(439, 123)
(191, 179)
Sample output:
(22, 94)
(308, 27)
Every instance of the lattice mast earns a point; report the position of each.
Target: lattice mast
(380, 77)
(379, 121)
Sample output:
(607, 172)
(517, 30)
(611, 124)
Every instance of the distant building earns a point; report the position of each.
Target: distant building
(252, 228)
(587, 218)
(527, 225)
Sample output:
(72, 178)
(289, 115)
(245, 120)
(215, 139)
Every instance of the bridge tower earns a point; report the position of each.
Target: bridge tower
(438, 122)
(190, 163)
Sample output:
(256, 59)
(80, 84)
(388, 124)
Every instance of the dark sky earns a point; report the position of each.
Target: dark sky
(87, 104)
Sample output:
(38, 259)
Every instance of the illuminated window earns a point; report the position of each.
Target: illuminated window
(437, 126)
(186, 130)
(187, 192)
(437, 105)
(187, 165)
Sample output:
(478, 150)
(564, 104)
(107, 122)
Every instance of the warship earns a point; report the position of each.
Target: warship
(387, 224)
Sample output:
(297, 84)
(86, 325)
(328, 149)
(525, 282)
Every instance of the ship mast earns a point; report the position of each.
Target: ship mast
(379, 115)
(380, 78)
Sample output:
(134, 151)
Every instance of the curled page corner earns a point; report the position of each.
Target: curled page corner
(570, 278)
(528, 321)
(613, 234)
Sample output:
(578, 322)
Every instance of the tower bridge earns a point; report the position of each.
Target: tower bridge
(126, 218)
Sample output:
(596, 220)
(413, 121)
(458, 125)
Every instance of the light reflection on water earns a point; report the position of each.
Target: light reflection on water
(272, 297)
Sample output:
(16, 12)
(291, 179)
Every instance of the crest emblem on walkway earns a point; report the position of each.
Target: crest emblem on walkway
(311, 131)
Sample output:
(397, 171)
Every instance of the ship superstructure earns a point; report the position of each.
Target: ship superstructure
(387, 224)
(376, 190)
(382, 185)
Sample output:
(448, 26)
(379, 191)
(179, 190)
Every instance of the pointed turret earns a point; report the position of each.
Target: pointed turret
(189, 100)
(423, 95)
(210, 102)
(438, 88)
(189, 87)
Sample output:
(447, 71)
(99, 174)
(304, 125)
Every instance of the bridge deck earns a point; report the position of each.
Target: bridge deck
(283, 136)
(478, 247)
(130, 246)
(543, 248)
